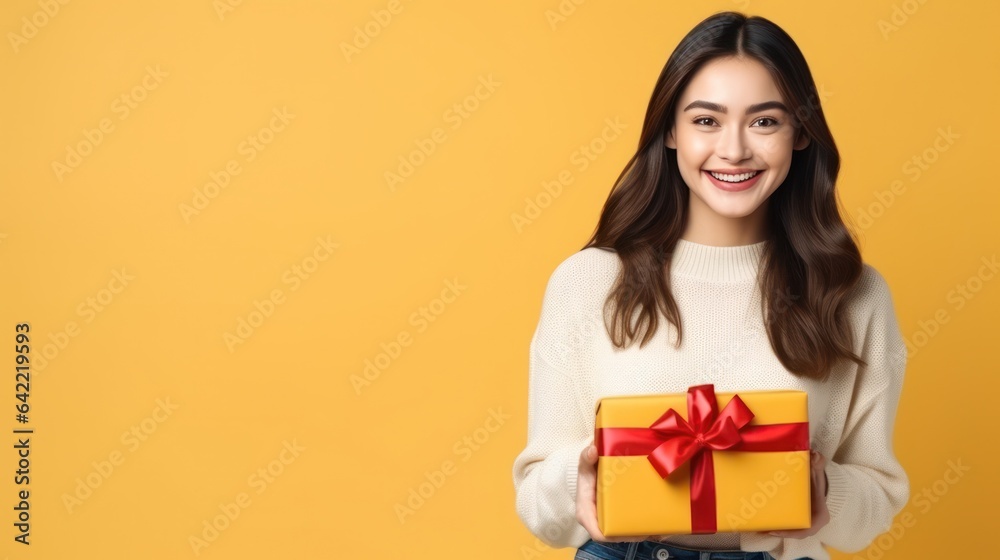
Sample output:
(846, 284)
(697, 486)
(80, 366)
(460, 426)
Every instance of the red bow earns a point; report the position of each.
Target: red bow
(672, 441)
(708, 428)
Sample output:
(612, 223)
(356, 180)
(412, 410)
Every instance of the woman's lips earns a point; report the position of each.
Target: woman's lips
(734, 187)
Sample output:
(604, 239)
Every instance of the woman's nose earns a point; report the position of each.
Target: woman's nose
(732, 146)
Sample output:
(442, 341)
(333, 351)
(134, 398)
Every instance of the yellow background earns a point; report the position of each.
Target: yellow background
(401, 251)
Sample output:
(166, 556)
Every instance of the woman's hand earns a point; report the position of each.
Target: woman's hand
(820, 514)
(586, 497)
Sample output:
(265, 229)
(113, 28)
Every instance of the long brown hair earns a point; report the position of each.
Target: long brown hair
(811, 258)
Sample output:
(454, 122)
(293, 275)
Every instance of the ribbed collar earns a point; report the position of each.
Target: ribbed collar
(716, 264)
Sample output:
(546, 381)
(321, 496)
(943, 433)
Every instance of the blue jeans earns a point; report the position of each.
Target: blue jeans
(654, 550)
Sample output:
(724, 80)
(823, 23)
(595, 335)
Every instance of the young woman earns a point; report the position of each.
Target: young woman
(727, 217)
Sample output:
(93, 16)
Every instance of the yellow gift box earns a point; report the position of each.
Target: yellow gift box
(701, 462)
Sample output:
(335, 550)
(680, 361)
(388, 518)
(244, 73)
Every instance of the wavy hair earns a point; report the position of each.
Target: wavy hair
(811, 258)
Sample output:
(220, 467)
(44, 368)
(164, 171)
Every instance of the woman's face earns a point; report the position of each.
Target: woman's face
(731, 119)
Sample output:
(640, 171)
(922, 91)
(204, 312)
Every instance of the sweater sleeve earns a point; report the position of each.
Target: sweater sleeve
(867, 486)
(545, 471)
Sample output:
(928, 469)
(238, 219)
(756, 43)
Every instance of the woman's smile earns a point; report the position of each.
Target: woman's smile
(734, 182)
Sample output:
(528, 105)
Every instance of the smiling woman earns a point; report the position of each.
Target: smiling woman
(727, 215)
(746, 150)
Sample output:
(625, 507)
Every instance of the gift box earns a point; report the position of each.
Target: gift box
(701, 462)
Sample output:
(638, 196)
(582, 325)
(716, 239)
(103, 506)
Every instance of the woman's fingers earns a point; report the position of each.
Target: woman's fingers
(586, 498)
(586, 503)
(820, 462)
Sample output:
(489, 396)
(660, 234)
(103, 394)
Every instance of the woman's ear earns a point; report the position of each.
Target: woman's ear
(669, 142)
(801, 140)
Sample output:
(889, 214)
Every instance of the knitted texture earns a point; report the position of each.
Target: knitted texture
(572, 364)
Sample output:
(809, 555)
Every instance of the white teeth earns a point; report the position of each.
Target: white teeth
(733, 178)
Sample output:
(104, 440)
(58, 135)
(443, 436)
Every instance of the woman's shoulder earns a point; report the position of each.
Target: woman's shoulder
(588, 271)
(872, 292)
(592, 257)
(872, 307)
(589, 263)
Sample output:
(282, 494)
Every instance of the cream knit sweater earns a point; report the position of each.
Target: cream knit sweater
(572, 364)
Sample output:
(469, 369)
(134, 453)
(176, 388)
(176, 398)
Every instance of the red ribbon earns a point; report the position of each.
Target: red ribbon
(672, 441)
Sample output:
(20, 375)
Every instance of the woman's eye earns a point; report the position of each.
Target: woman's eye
(769, 122)
(773, 121)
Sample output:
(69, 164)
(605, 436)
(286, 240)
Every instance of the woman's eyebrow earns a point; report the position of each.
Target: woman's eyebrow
(755, 108)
